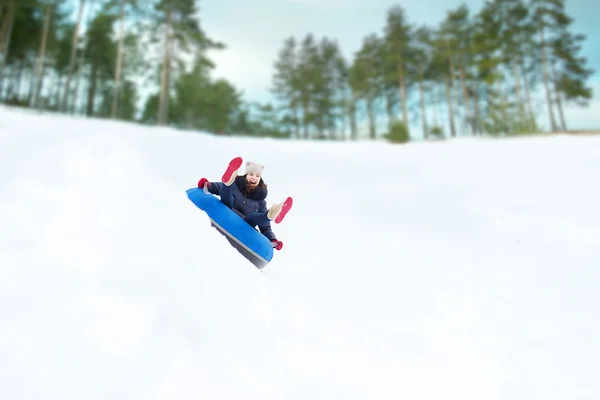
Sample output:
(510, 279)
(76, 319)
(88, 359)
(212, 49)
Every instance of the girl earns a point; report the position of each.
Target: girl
(246, 194)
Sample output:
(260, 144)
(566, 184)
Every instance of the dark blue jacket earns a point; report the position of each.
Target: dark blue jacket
(243, 204)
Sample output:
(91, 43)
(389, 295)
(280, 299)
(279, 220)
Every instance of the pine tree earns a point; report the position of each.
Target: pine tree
(286, 84)
(423, 55)
(100, 56)
(546, 21)
(569, 71)
(367, 75)
(398, 37)
(182, 34)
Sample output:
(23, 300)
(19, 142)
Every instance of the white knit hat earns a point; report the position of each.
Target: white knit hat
(254, 167)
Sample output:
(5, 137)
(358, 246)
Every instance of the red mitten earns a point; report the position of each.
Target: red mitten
(277, 244)
(202, 181)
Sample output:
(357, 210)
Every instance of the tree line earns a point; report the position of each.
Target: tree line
(148, 62)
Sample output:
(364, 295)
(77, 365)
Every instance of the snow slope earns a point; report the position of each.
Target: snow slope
(465, 270)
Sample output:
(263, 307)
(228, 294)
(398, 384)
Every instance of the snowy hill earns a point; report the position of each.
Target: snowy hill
(465, 270)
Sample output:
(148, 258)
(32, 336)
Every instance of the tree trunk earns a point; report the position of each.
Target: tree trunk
(515, 70)
(450, 107)
(422, 100)
(553, 126)
(389, 107)
(164, 89)
(344, 118)
(560, 110)
(296, 120)
(117, 84)
(557, 97)
(169, 76)
(353, 129)
(465, 92)
(403, 94)
(503, 105)
(12, 75)
(78, 77)
(527, 94)
(92, 90)
(304, 118)
(19, 85)
(449, 98)
(433, 97)
(371, 117)
(477, 112)
(518, 95)
(40, 63)
(6, 29)
(72, 57)
(56, 94)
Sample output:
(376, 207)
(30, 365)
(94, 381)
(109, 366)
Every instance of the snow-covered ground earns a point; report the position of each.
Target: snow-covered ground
(466, 269)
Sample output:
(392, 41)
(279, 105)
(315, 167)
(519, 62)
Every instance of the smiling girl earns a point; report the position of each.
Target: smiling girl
(246, 196)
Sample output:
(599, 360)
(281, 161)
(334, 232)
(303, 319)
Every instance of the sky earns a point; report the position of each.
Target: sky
(254, 31)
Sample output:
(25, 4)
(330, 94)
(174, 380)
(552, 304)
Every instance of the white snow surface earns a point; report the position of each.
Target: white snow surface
(466, 269)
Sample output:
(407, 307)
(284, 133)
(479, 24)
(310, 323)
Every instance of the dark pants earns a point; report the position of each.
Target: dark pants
(254, 219)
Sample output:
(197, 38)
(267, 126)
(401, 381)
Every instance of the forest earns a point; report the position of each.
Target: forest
(478, 72)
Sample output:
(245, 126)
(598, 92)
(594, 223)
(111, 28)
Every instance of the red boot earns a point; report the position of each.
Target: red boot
(278, 211)
(231, 172)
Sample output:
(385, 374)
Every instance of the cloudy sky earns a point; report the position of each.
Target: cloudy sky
(254, 31)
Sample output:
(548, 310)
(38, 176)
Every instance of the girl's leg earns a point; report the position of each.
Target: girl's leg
(277, 212)
(226, 195)
(231, 172)
(257, 218)
(228, 178)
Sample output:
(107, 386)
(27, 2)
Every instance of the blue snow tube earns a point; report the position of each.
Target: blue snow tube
(245, 238)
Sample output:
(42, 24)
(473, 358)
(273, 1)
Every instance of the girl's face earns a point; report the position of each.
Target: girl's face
(253, 178)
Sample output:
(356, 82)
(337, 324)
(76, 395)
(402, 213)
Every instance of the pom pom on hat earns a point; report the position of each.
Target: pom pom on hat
(254, 167)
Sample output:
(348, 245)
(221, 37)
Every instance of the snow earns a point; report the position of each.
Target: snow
(464, 269)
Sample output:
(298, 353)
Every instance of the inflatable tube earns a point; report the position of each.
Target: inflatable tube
(246, 239)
